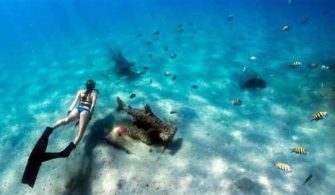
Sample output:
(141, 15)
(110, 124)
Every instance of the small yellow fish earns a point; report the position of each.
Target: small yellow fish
(284, 167)
(318, 116)
(299, 150)
(236, 102)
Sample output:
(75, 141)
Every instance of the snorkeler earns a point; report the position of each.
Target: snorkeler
(85, 101)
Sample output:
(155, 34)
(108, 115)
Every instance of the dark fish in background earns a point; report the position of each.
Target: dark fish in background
(254, 83)
(173, 55)
(146, 67)
(173, 112)
(194, 87)
(174, 77)
(156, 33)
(230, 17)
(132, 96)
(166, 48)
(139, 35)
(307, 179)
(122, 66)
(236, 102)
(304, 20)
(150, 81)
(148, 42)
(251, 80)
(180, 28)
(149, 55)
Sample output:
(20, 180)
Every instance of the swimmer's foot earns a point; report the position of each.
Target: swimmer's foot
(66, 152)
(63, 154)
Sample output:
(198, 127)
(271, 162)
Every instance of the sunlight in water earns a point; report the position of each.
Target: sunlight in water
(237, 135)
(278, 110)
(185, 183)
(218, 166)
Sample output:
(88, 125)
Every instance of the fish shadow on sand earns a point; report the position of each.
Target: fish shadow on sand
(251, 80)
(175, 146)
(246, 186)
(80, 182)
(259, 138)
(186, 116)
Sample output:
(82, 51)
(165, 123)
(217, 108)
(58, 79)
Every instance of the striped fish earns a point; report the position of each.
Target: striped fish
(299, 150)
(318, 116)
(296, 64)
(284, 167)
(236, 102)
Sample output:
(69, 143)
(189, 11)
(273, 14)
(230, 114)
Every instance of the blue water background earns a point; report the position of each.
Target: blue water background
(49, 48)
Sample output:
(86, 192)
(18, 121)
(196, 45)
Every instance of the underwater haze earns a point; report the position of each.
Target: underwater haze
(192, 58)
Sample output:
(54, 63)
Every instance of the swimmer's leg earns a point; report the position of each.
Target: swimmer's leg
(73, 115)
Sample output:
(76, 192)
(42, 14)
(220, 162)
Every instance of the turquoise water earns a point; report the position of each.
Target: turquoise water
(50, 48)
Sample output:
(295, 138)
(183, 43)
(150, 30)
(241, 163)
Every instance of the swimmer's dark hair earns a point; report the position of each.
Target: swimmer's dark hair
(90, 85)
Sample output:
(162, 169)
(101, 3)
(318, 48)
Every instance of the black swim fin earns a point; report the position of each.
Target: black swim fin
(63, 154)
(36, 158)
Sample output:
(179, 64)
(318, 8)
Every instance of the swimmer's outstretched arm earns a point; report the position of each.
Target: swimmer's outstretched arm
(94, 98)
(75, 101)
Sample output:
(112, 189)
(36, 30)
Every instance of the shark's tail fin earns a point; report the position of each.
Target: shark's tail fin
(120, 104)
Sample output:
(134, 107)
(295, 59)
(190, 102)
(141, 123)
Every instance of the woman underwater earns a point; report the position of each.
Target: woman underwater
(82, 108)
(85, 101)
